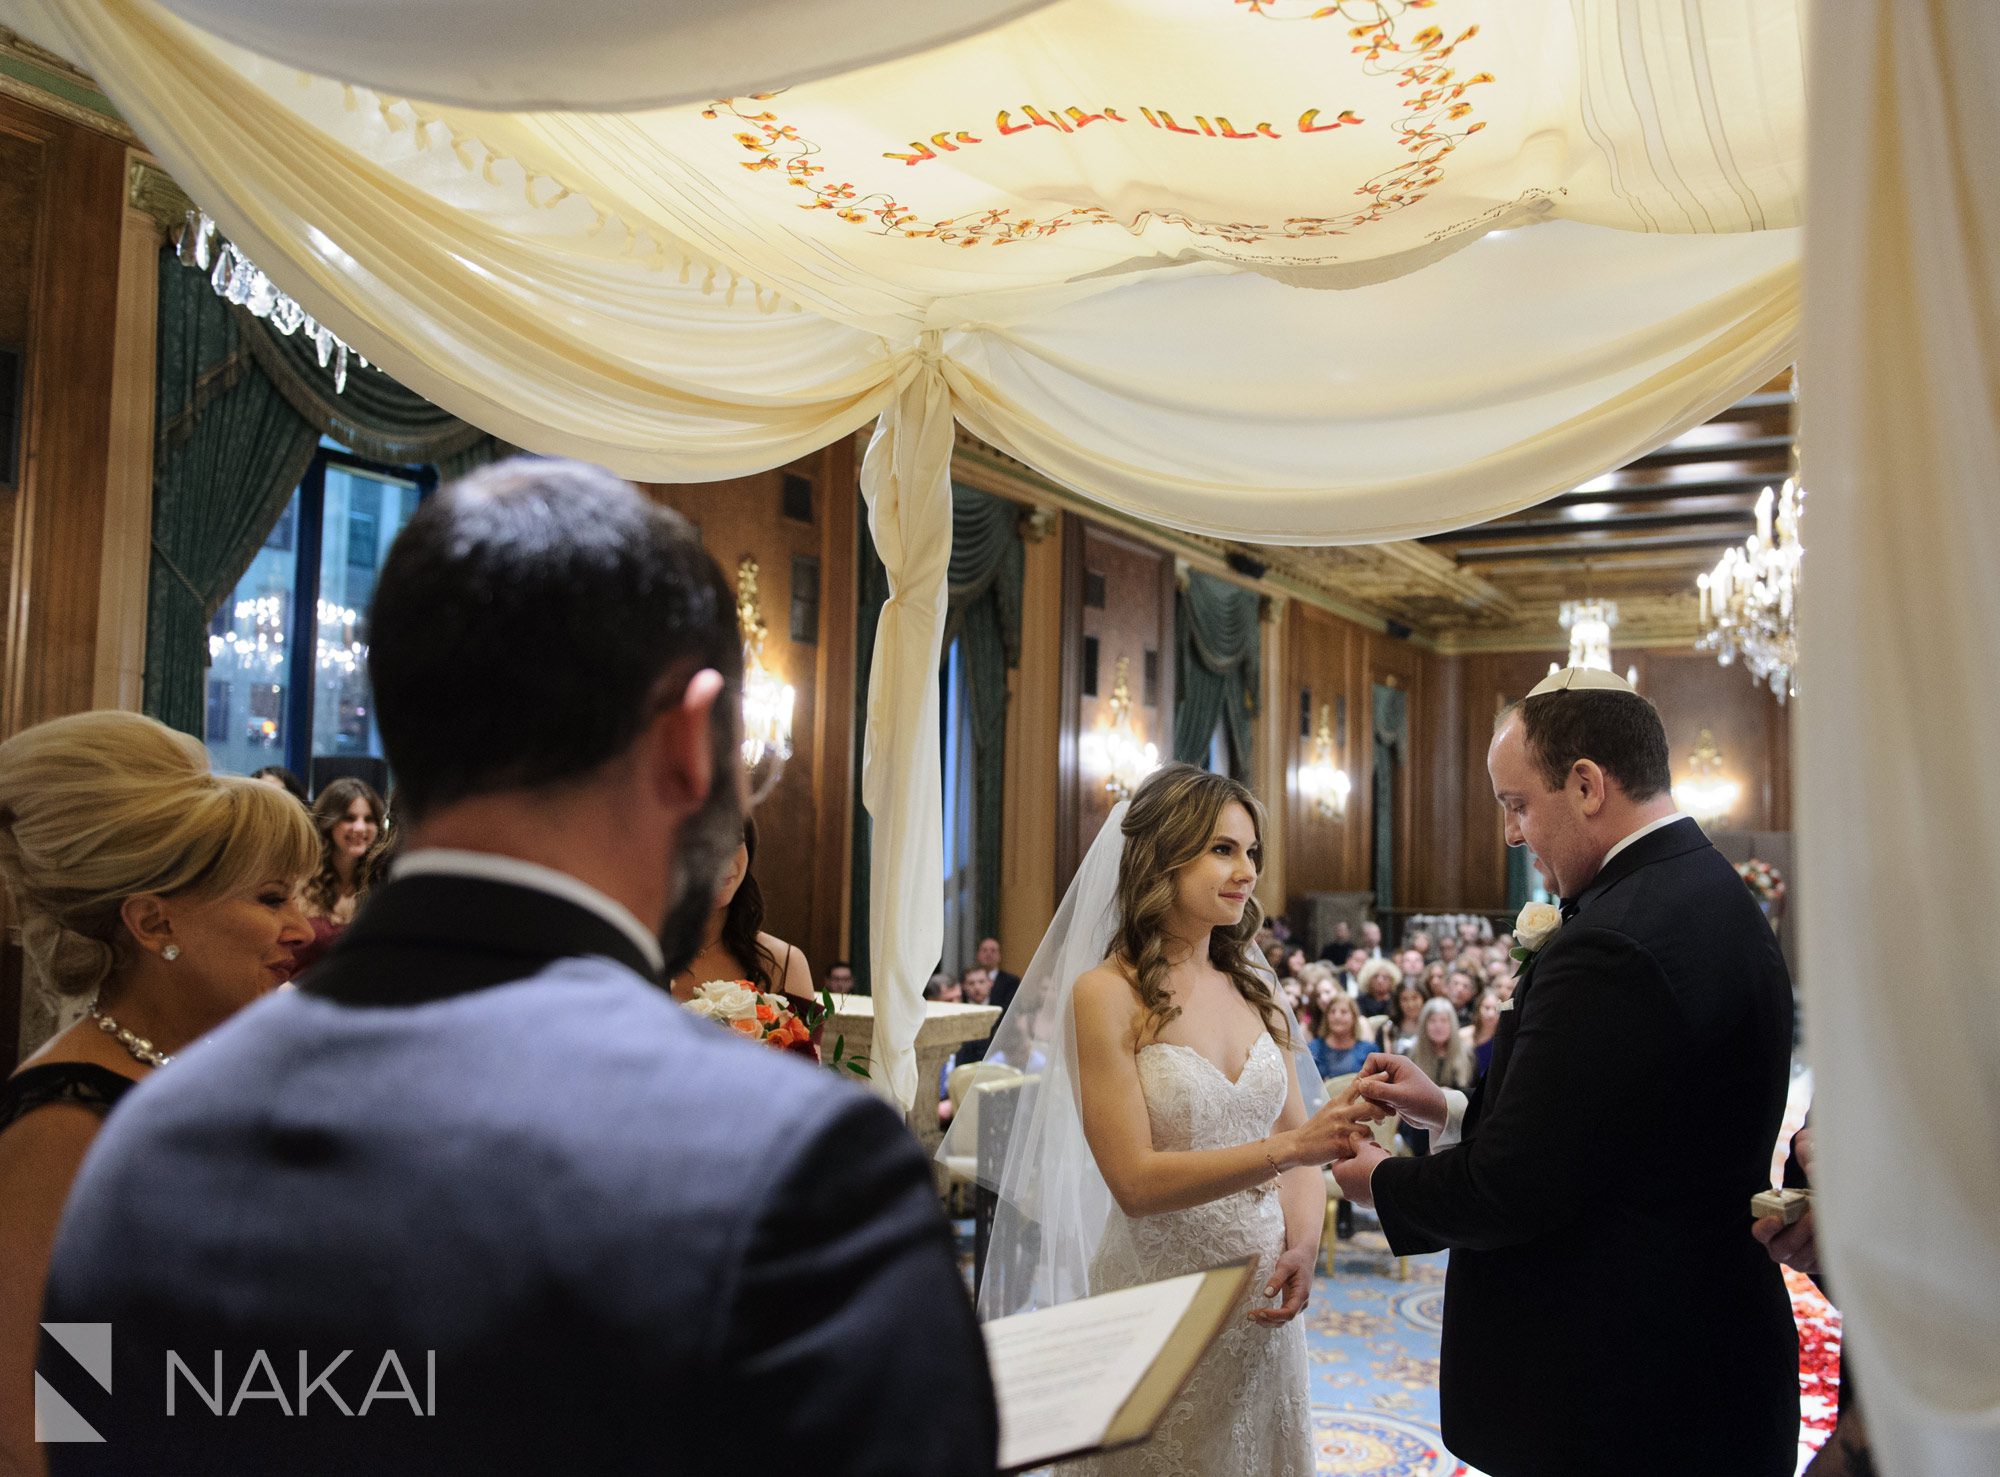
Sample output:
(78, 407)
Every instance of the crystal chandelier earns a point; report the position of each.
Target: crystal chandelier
(1589, 624)
(767, 701)
(1120, 750)
(1748, 601)
(1321, 779)
(1706, 794)
(237, 279)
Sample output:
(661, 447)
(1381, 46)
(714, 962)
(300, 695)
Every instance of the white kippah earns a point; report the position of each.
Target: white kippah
(1572, 679)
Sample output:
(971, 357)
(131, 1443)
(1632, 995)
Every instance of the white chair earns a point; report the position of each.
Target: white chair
(965, 1086)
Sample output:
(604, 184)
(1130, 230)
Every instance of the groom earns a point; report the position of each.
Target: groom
(1605, 1310)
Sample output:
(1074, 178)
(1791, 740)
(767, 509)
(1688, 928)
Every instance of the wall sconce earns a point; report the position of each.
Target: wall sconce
(1706, 794)
(1321, 779)
(1120, 750)
(767, 701)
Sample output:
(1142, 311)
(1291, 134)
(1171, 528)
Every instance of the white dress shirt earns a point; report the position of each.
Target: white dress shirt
(487, 866)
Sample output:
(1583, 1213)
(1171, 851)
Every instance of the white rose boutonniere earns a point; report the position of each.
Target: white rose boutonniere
(1534, 927)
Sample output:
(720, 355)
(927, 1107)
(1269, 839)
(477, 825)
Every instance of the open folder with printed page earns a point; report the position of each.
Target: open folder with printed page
(1101, 1372)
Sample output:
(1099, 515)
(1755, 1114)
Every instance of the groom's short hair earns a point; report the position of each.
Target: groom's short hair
(1620, 732)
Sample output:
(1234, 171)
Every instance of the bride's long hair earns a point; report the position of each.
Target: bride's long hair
(1170, 822)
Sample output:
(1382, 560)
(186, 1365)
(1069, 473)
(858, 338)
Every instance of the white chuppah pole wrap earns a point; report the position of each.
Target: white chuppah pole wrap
(1899, 795)
(906, 479)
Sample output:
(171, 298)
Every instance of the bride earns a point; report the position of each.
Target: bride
(1167, 1131)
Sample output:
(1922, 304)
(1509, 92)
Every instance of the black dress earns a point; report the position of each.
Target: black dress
(83, 1083)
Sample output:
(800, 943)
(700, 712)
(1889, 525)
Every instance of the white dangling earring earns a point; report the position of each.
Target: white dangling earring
(171, 952)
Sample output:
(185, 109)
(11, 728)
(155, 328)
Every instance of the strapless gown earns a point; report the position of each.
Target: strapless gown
(1245, 1409)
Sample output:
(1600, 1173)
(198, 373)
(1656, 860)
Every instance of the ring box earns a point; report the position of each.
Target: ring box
(1786, 1205)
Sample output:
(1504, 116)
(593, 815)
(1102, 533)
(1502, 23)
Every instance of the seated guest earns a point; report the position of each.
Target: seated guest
(1399, 1032)
(1485, 1028)
(938, 983)
(734, 945)
(1295, 962)
(1341, 1045)
(1005, 983)
(1447, 949)
(1420, 940)
(1350, 970)
(1371, 938)
(166, 894)
(284, 779)
(348, 815)
(839, 978)
(1434, 978)
(976, 987)
(1379, 980)
(1412, 963)
(1337, 947)
(1444, 1057)
(1459, 989)
(599, 1233)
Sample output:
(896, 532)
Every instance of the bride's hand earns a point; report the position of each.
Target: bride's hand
(1334, 1132)
(1291, 1275)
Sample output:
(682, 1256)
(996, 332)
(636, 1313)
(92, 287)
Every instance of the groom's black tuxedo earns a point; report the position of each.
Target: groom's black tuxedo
(1606, 1309)
(480, 1134)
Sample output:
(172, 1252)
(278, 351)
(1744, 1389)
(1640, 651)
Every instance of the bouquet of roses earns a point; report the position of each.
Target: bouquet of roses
(775, 1020)
(1766, 883)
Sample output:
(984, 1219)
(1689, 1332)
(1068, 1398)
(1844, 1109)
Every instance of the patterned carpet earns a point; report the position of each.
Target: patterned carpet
(1373, 1343)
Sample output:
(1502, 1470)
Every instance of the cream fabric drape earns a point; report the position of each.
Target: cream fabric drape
(906, 479)
(1899, 794)
(1560, 230)
(588, 53)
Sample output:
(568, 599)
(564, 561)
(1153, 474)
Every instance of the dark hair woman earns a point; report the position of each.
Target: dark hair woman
(284, 779)
(734, 945)
(348, 816)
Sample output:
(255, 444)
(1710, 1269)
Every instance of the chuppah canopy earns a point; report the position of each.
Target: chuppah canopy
(1563, 234)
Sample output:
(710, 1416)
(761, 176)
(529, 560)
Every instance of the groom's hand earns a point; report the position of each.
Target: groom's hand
(1354, 1175)
(1399, 1084)
(1291, 1275)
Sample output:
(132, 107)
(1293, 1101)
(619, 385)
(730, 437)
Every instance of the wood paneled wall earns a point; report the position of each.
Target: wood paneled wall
(1692, 692)
(63, 236)
(803, 825)
(1119, 593)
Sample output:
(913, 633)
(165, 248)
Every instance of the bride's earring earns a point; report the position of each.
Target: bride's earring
(171, 952)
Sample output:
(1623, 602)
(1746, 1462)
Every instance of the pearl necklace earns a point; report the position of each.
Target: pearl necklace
(140, 1048)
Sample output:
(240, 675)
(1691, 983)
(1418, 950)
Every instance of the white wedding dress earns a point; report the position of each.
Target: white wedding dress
(1245, 1408)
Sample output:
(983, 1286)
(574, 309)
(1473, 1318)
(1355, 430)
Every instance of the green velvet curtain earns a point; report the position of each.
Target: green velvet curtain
(228, 450)
(1216, 668)
(1392, 747)
(240, 409)
(988, 564)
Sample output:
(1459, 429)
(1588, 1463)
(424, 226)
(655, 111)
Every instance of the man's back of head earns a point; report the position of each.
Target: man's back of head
(530, 620)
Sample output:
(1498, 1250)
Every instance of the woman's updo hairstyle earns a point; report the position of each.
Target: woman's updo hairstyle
(97, 807)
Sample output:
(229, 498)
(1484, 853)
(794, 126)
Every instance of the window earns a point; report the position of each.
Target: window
(1221, 750)
(961, 869)
(284, 692)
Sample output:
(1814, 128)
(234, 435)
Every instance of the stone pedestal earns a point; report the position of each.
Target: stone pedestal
(945, 1029)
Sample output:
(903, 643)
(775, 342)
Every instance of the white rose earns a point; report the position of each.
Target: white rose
(726, 1002)
(1536, 925)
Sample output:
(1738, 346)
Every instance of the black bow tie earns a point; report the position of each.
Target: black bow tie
(1568, 909)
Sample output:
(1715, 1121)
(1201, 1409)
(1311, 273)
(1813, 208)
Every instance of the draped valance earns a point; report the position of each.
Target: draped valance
(1216, 667)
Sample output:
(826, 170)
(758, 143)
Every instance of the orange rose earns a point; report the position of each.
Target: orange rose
(766, 1014)
(745, 1027)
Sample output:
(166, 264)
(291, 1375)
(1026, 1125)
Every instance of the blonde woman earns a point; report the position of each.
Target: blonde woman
(1169, 1132)
(1443, 1055)
(162, 892)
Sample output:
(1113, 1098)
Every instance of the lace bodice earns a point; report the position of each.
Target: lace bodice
(1245, 1409)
